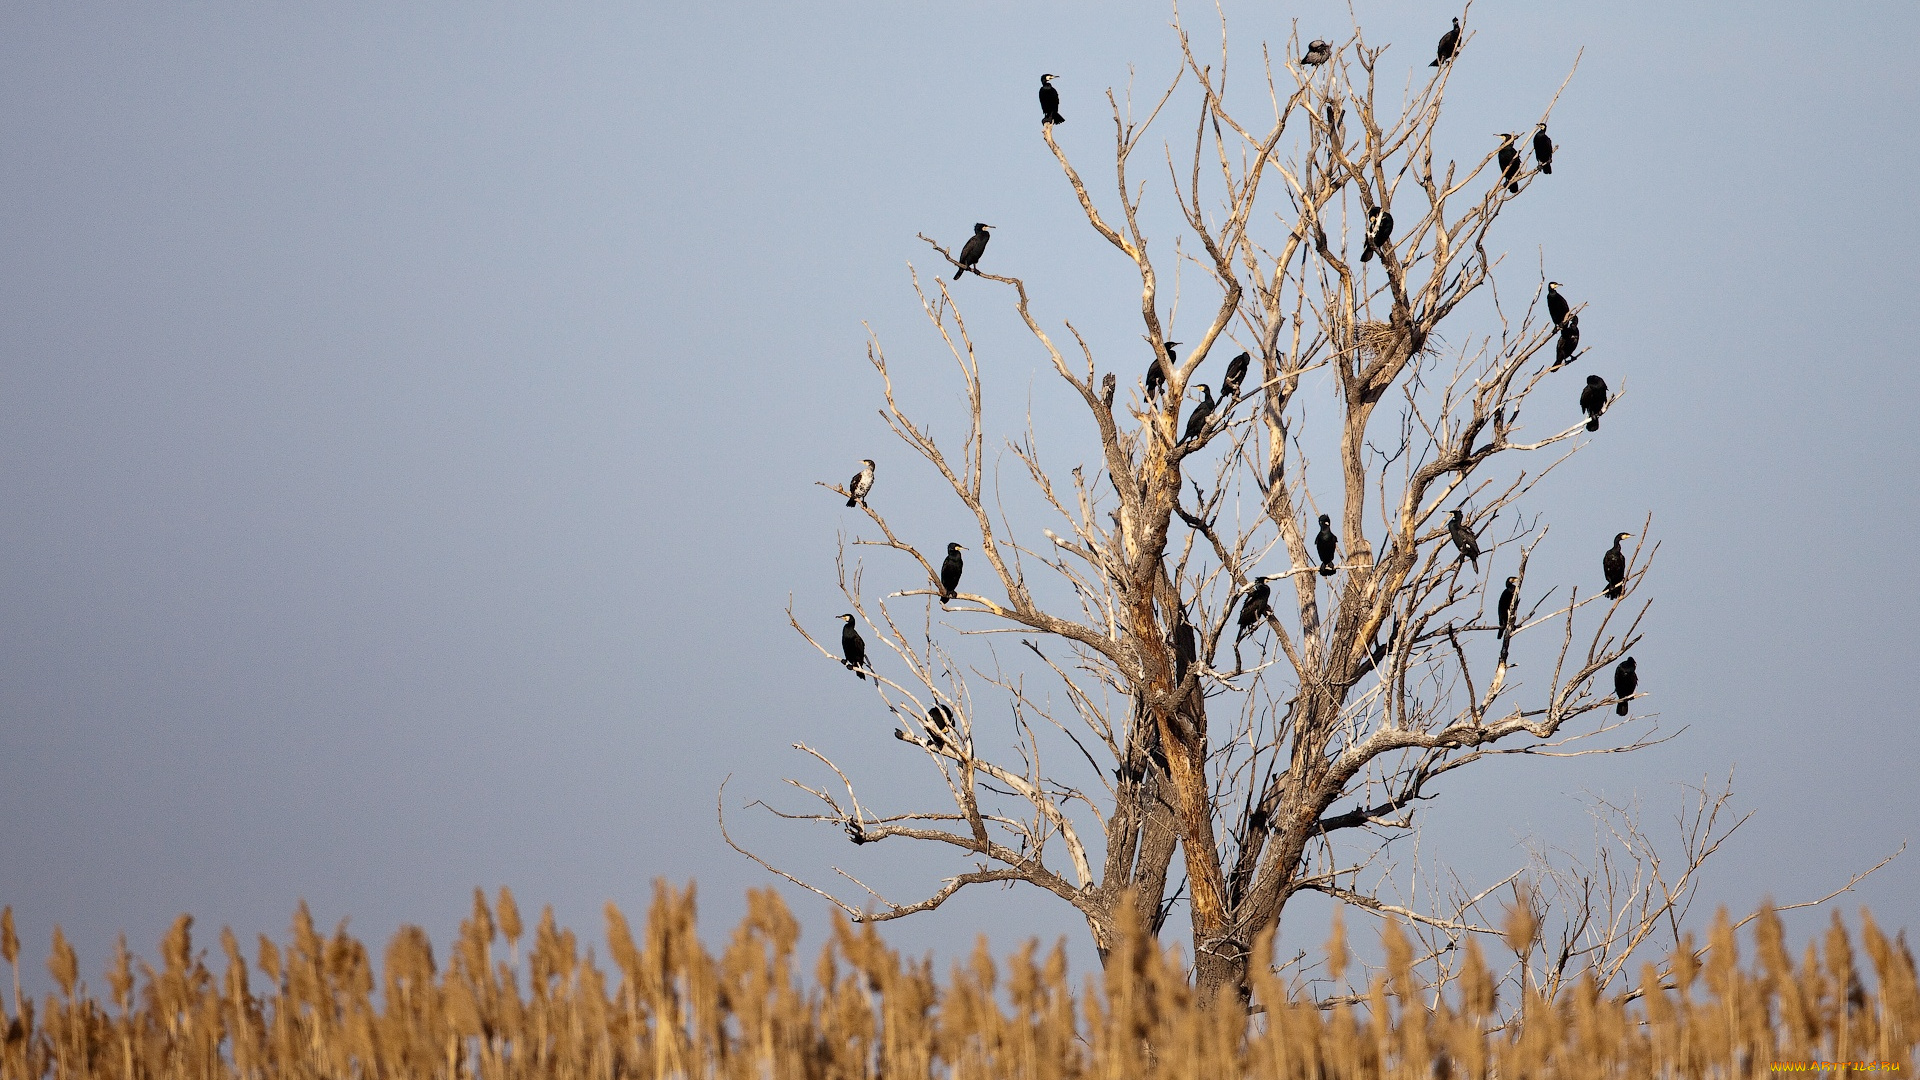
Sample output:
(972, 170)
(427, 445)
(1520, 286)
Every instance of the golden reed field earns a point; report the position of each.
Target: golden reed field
(661, 1005)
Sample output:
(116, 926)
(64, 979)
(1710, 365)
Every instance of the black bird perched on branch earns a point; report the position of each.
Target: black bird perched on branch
(1614, 565)
(854, 647)
(1449, 41)
(1510, 163)
(1318, 52)
(1050, 101)
(942, 721)
(1543, 148)
(1255, 607)
(1156, 374)
(1593, 401)
(1108, 387)
(1557, 305)
(950, 572)
(1505, 608)
(1569, 342)
(861, 483)
(1236, 374)
(1626, 679)
(1379, 231)
(1464, 539)
(975, 247)
(1326, 544)
(1203, 412)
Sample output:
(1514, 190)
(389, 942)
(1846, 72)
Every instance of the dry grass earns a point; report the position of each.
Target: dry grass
(665, 1007)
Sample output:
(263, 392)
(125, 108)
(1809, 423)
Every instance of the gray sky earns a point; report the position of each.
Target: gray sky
(409, 420)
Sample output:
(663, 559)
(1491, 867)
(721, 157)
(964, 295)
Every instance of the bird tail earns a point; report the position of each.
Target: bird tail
(1546, 168)
(1500, 631)
(1514, 187)
(1367, 255)
(1436, 63)
(1615, 592)
(1593, 423)
(1475, 560)
(853, 500)
(1054, 118)
(1326, 570)
(1621, 708)
(957, 273)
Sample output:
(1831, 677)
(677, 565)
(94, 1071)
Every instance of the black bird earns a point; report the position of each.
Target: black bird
(861, 483)
(1464, 539)
(1203, 412)
(950, 572)
(1569, 342)
(1050, 101)
(1326, 544)
(1510, 163)
(975, 247)
(1557, 306)
(1318, 52)
(1236, 373)
(1543, 148)
(1156, 374)
(1379, 231)
(1626, 679)
(1449, 41)
(1255, 607)
(1505, 607)
(1185, 649)
(1108, 386)
(854, 647)
(1614, 565)
(1593, 401)
(942, 720)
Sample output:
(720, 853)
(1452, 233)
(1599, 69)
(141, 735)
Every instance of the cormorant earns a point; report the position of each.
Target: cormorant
(1108, 387)
(1614, 565)
(1510, 163)
(1569, 342)
(1464, 539)
(1593, 401)
(1505, 607)
(1543, 148)
(1203, 412)
(1449, 41)
(1557, 305)
(975, 247)
(1185, 649)
(1050, 101)
(1326, 543)
(1254, 607)
(1379, 231)
(1626, 679)
(950, 572)
(1318, 52)
(942, 720)
(1236, 373)
(861, 483)
(1156, 374)
(854, 647)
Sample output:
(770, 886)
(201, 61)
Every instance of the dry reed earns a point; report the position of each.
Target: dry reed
(667, 1007)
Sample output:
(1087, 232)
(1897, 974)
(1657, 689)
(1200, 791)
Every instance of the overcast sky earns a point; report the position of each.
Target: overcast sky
(410, 417)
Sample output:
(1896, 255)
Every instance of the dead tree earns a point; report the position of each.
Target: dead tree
(1279, 761)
